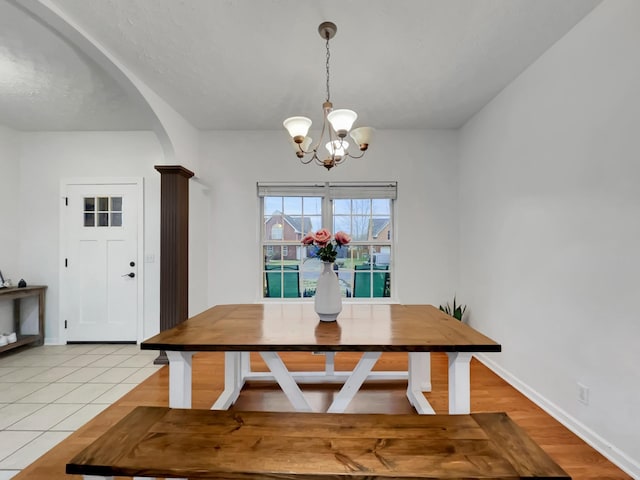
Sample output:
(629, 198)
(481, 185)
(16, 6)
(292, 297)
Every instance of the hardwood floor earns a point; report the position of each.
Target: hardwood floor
(489, 393)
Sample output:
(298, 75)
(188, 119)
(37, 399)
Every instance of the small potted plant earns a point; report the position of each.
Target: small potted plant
(456, 311)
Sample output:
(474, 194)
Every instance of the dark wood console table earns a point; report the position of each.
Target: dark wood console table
(17, 294)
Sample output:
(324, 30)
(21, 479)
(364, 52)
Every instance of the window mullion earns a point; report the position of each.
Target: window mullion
(327, 210)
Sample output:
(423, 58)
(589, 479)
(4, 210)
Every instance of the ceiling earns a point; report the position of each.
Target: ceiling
(247, 64)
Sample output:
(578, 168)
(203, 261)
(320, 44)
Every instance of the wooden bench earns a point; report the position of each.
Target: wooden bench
(176, 443)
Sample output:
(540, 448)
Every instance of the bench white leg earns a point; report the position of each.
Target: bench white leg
(419, 368)
(459, 382)
(233, 379)
(286, 381)
(180, 379)
(354, 382)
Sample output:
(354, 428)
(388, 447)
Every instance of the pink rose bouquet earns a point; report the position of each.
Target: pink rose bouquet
(326, 250)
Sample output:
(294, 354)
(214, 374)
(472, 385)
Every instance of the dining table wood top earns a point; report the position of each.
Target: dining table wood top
(296, 327)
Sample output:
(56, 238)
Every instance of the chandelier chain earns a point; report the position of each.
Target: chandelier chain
(328, 57)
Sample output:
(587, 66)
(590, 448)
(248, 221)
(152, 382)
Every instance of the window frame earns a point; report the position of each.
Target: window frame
(328, 192)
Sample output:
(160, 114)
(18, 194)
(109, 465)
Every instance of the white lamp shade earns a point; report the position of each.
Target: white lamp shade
(305, 144)
(337, 148)
(342, 119)
(297, 126)
(362, 135)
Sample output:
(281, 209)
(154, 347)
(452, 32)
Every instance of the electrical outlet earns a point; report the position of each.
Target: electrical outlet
(583, 394)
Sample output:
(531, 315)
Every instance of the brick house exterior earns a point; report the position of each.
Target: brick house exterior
(286, 228)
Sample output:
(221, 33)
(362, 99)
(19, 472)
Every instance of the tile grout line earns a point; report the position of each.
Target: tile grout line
(127, 352)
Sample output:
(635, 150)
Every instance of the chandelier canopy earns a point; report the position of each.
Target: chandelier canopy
(337, 123)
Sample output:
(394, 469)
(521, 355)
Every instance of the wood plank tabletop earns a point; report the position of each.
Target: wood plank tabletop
(158, 441)
(295, 327)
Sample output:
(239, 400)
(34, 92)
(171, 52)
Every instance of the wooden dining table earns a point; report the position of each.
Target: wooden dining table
(370, 329)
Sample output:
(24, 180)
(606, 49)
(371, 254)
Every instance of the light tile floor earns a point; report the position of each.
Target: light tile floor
(48, 392)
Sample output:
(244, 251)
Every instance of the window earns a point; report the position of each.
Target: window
(102, 211)
(364, 211)
(277, 232)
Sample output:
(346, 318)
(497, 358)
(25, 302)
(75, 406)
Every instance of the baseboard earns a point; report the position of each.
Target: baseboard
(612, 453)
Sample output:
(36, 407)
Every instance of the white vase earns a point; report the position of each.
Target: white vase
(328, 299)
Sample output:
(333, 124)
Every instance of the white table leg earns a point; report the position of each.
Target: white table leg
(420, 365)
(180, 379)
(459, 382)
(286, 381)
(354, 382)
(419, 368)
(329, 363)
(245, 364)
(233, 380)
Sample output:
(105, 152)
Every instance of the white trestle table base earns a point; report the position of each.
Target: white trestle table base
(268, 329)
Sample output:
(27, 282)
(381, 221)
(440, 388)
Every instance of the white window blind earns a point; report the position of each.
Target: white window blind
(290, 189)
(363, 190)
(387, 190)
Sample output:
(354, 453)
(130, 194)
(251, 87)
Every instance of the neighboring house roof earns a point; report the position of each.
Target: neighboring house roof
(378, 225)
(295, 222)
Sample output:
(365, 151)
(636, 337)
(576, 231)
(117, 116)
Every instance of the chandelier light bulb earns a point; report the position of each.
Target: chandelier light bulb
(298, 127)
(342, 120)
(337, 148)
(300, 148)
(362, 136)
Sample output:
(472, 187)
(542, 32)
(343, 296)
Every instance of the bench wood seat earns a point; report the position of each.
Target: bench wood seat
(182, 443)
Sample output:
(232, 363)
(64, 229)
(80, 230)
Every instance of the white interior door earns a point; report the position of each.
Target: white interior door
(100, 287)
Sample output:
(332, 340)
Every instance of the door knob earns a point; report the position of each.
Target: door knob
(130, 275)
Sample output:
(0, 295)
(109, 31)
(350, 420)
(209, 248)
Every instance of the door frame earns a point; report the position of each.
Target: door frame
(138, 182)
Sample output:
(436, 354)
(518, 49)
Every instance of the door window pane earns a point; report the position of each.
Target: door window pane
(116, 204)
(109, 212)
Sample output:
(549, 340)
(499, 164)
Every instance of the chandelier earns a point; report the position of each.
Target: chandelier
(337, 123)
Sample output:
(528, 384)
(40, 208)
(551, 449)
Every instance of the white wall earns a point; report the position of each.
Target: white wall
(49, 157)
(9, 206)
(199, 221)
(9, 216)
(550, 225)
(423, 162)
(177, 138)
